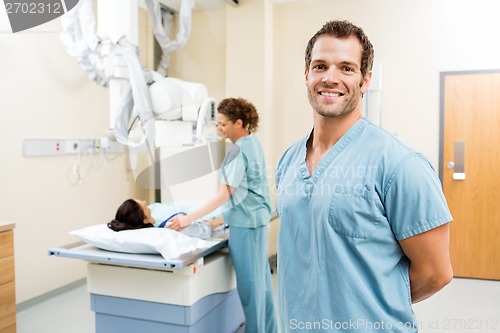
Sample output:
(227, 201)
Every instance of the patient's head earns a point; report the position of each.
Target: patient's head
(132, 214)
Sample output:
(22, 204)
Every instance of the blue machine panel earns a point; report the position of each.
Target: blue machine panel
(217, 313)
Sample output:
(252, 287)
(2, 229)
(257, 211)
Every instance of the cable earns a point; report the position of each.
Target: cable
(76, 172)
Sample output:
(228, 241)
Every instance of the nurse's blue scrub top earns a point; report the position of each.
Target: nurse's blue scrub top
(340, 266)
(244, 169)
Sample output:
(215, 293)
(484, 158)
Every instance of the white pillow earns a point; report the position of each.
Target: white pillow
(169, 243)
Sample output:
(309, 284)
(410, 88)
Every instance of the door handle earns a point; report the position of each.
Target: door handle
(458, 163)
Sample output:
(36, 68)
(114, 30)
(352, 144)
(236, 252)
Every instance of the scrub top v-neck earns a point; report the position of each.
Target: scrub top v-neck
(339, 257)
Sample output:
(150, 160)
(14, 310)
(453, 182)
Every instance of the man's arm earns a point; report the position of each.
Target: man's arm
(430, 268)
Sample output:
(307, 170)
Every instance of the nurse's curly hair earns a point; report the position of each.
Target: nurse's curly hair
(129, 216)
(239, 108)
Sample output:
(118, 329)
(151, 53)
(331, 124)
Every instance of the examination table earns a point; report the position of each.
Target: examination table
(130, 293)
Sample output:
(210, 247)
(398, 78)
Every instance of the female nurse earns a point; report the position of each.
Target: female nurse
(244, 198)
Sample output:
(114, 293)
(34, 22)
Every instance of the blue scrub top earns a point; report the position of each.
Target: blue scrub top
(244, 169)
(162, 211)
(340, 265)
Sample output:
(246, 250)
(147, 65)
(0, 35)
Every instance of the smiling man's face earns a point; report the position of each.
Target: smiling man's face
(334, 81)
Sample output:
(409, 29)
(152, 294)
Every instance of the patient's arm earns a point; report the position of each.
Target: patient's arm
(180, 222)
(214, 223)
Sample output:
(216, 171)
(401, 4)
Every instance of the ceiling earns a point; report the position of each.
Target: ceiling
(199, 4)
(215, 4)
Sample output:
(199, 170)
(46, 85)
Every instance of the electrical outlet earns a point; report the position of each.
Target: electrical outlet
(72, 146)
(55, 147)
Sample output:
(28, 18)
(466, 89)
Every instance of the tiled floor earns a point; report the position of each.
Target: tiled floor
(66, 312)
(464, 306)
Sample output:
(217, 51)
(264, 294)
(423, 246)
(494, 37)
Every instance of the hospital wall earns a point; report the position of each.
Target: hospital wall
(254, 51)
(414, 41)
(257, 52)
(46, 95)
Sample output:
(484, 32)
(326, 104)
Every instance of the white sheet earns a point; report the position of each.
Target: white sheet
(169, 243)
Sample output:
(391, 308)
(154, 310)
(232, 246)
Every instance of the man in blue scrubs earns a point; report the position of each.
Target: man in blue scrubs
(364, 222)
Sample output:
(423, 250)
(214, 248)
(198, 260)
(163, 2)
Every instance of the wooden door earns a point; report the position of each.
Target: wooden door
(470, 122)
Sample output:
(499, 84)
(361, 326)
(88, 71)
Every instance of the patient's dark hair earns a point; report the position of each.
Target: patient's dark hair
(129, 216)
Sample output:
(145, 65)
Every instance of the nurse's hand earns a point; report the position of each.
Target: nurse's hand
(178, 223)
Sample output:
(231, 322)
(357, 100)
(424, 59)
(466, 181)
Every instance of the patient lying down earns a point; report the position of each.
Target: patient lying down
(136, 214)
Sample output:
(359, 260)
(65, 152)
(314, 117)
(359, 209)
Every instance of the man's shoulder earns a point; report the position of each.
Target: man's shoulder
(292, 151)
